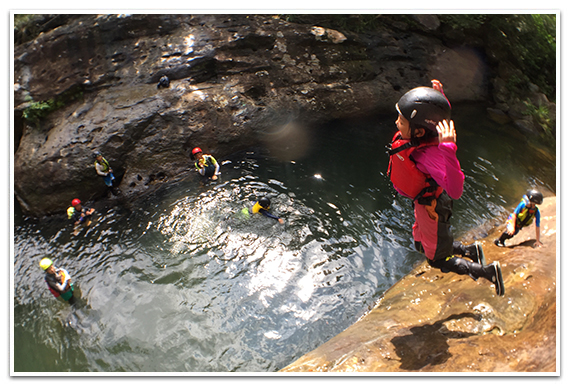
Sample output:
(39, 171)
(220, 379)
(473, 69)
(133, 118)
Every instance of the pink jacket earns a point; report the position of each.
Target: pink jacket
(441, 163)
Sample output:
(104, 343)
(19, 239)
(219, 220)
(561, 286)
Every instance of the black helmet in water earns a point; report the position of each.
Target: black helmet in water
(424, 107)
(264, 202)
(534, 196)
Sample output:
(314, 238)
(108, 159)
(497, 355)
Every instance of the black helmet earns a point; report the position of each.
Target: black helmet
(534, 196)
(96, 153)
(424, 107)
(264, 202)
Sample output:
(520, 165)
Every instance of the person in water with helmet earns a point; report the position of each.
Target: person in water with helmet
(206, 165)
(79, 214)
(103, 169)
(58, 281)
(262, 206)
(524, 213)
(423, 167)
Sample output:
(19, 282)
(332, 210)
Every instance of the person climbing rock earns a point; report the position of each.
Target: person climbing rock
(58, 281)
(103, 169)
(524, 213)
(262, 206)
(206, 165)
(423, 167)
(79, 214)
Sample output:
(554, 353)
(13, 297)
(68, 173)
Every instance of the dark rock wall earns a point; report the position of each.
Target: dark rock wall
(233, 80)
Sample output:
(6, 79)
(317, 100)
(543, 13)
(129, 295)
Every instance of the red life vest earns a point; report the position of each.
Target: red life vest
(404, 173)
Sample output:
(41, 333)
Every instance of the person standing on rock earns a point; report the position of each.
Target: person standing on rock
(423, 167)
(206, 165)
(524, 213)
(58, 281)
(103, 169)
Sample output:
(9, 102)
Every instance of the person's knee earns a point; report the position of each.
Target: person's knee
(459, 266)
(454, 264)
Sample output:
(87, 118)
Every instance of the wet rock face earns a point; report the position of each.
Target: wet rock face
(443, 322)
(232, 79)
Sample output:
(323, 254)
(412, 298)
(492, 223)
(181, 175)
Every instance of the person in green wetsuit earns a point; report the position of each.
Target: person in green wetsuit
(262, 206)
(58, 281)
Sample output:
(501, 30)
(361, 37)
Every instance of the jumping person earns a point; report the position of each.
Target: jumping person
(206, 165)
(423, 167)
(524, 213)
(58, 281)
(262, 206)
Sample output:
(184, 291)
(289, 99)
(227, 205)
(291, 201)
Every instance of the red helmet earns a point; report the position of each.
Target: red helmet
(75, 202)
(196, 150)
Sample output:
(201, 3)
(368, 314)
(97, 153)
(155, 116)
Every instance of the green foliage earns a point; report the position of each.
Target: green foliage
(526, 41)
(540, 116)
(36, 111)
(529, 42)
(26, 27)
(464, 22)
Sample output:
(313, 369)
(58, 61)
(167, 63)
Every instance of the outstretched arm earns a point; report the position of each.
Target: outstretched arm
(271, 215)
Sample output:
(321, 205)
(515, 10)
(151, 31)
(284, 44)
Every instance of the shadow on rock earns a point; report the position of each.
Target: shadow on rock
(427, 345)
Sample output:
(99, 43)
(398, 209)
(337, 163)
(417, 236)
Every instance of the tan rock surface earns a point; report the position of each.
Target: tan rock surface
(435, 322)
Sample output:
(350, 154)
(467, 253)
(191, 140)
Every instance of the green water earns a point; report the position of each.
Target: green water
(183, 284)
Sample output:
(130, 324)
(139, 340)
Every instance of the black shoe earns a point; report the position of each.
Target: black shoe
(494, 275)
(475, 253)
(498, 243)
(480, 254)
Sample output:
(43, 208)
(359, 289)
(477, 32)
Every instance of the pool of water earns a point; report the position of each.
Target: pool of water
(184, 283)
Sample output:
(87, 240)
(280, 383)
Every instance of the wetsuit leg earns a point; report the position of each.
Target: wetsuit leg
(473, 251)
(209, 171)
(491, 272)
(505, 236)
(433, 228)
(459, 266)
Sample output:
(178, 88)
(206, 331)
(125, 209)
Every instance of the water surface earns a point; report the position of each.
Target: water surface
(182, 283)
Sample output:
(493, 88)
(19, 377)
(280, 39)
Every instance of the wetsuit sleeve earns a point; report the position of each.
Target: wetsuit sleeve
(441, 163)
(268, 214)
(537, 217)
(519, 208)
(199, 169)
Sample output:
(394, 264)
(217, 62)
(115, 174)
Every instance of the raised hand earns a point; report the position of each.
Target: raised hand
(446, 131)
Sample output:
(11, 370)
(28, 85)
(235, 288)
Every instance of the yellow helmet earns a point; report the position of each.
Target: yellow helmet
(45, 263)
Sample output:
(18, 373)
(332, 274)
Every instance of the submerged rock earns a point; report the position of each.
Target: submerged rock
(435, 322)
